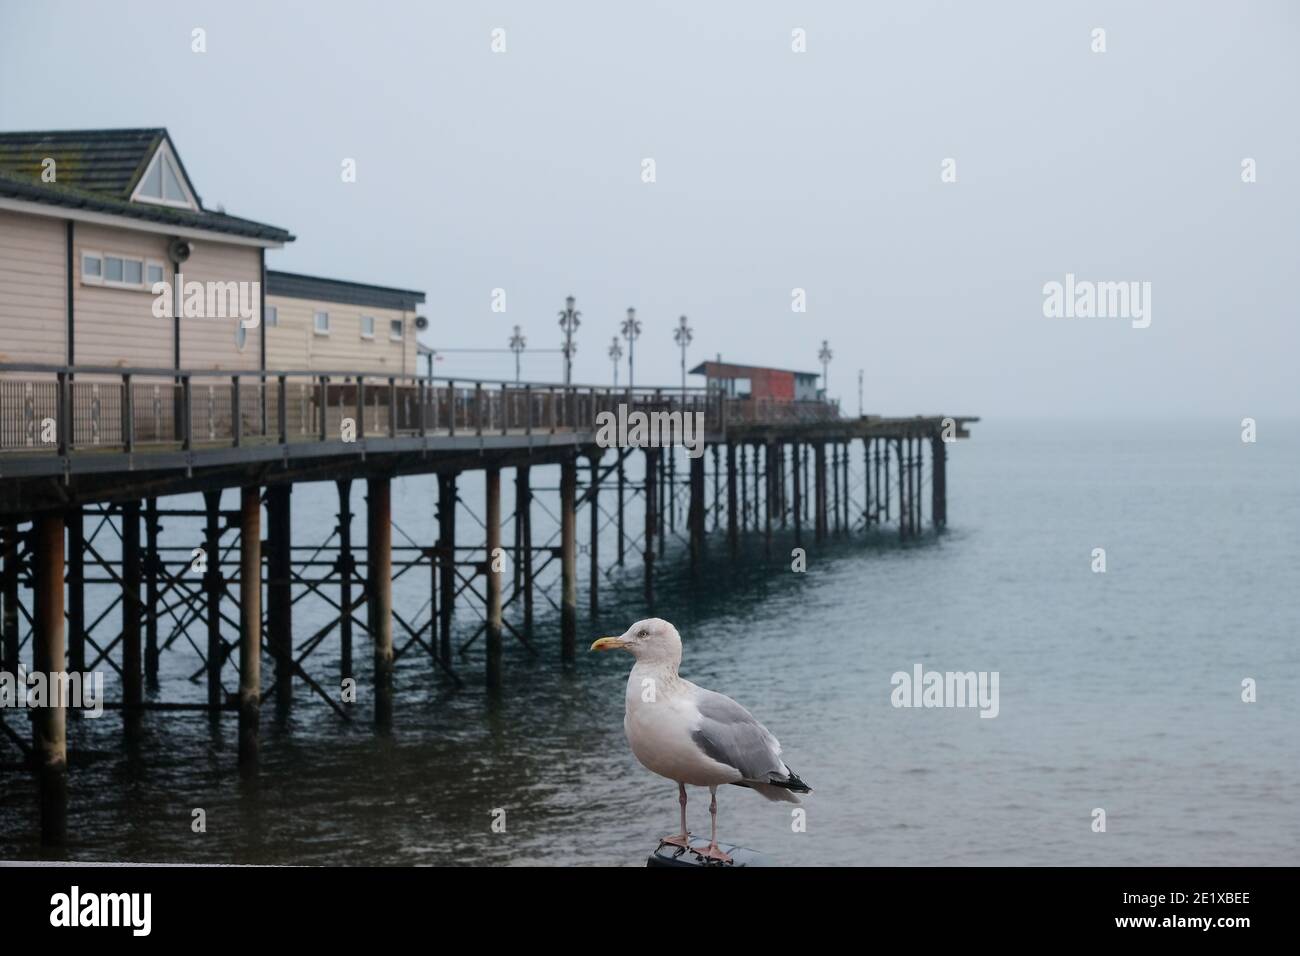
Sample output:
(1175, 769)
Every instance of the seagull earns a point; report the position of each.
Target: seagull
(692, 735)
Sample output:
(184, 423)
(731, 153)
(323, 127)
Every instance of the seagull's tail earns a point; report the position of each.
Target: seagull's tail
(780, 788)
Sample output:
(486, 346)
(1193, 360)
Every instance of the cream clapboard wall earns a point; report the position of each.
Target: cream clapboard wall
(293, 343)
(116, 326)
(33, 289)
(210, 343)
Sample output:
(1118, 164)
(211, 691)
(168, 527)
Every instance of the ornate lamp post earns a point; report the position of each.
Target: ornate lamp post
(825, 355)
(570, 319)
(615, 353)
(517, 344)
(682, 336)
(631, 329)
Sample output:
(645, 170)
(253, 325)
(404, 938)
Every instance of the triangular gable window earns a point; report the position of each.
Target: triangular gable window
(162, 182)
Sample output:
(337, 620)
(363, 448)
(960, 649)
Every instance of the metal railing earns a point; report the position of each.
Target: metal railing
(62, 409)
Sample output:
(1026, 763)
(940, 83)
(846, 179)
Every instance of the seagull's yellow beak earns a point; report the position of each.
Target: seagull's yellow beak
(608, 644)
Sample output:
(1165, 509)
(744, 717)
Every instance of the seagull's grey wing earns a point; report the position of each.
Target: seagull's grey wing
(729, 734)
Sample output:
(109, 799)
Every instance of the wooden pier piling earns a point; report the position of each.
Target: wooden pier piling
(819, 478)
(345, 568)
(568, 558)
(152, 570)
(132, 616)
(733, 527)
(250, 623)
(492, 518)
(76, 579)
(9, 539)
(447, 498)
(651, 507)
(213, 585)
(279, 591)
(50, 722)
(379, 592)
(593, 548)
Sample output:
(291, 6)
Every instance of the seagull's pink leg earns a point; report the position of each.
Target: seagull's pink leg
(682, 839)
(712, 852)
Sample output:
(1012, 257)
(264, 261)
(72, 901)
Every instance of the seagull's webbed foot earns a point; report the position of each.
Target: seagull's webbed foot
(682, 840)
(713, 853)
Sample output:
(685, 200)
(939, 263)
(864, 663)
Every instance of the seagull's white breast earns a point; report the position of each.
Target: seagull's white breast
(660, 717)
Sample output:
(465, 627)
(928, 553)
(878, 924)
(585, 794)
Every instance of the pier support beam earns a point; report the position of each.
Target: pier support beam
(568, 559)
(696, 512)
(733, 528)
(345, 567)
(744, 488)
(9, 588)
(492, 517)
(593, 509)
(524, 537)
(250, 623)
(50, 722)
(76, 575)
(939, 481)
(212, 586)
(651, 506)
(379, 592)
(132, 615)
(796, 501)
(447, 563)
(769, 486)
(819, 480)
(835, 484)
(279, 592)
(622, 485)
(152, 569)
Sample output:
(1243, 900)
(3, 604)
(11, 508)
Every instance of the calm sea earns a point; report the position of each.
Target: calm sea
(1120, 691)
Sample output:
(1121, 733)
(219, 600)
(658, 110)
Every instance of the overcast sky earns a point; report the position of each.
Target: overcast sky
(775, 170)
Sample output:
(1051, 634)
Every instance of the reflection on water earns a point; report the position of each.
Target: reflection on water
(1117, 691)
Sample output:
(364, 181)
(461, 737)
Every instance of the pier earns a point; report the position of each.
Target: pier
(91, 453)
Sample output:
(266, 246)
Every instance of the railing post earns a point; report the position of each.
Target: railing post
(392, 407)
(528, 406)
(451, 408)
(361, 407)
(187, 433)
(63, 414)
(505, 409)
(236, 416)
(323, 401)
(282, 410)
(419, 415)
(128, 414)
(478, 408)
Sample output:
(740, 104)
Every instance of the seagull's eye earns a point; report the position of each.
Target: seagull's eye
(643, 633)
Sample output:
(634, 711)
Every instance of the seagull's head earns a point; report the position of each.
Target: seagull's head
(653, 640)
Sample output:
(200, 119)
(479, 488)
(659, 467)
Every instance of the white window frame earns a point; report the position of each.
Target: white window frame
(315, 322)
(154, 264)
(368, 336)
(92, 280)
(190, 202)
(103, 280)
(401, 335)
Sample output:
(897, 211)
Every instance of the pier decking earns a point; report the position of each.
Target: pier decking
(84, 449)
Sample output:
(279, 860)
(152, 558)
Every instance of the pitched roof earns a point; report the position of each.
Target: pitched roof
(292, 285)
(721, 369)
(97, 170)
